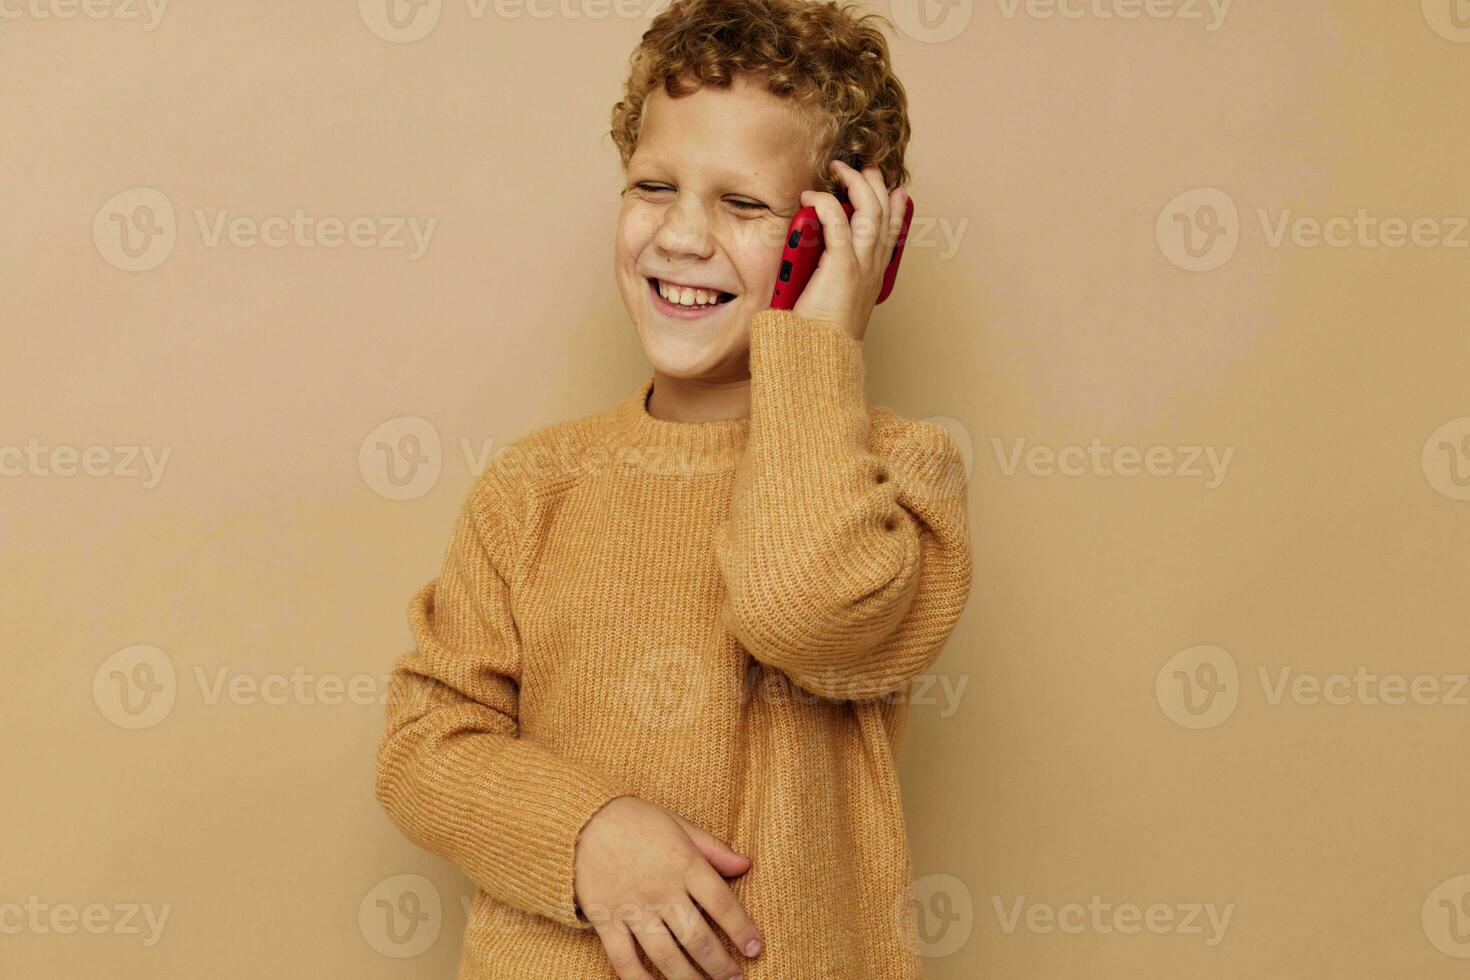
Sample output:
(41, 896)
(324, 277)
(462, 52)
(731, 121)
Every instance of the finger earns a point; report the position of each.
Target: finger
(687, 924)
(859, 185)
(836, 236)
(874, 176)
(897, 203)
(664, 953)
(714, 896)
(868, 205)
(622, 952)
(726, 859)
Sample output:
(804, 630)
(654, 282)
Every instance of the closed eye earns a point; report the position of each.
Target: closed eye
(748, 207)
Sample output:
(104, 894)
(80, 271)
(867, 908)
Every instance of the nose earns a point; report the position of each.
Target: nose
(684, 231)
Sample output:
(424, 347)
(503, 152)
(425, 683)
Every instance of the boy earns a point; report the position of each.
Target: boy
(657, 699)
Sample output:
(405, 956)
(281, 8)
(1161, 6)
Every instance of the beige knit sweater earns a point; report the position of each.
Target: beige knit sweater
(720, 617)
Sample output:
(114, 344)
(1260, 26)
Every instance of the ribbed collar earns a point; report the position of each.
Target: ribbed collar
(706, 446)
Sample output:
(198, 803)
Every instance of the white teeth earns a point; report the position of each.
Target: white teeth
(687, 295)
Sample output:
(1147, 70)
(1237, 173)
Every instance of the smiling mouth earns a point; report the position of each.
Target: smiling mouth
(686, 299)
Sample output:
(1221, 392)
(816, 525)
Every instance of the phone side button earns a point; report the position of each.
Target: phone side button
(794, 240)
(785, 271)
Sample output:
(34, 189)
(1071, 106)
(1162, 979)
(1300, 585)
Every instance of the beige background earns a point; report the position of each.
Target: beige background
(1065, 768)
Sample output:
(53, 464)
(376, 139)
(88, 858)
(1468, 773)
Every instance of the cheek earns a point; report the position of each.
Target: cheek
(636, 227)
(758, 257)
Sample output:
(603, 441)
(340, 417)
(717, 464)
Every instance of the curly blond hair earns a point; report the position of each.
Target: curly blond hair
(828, 58)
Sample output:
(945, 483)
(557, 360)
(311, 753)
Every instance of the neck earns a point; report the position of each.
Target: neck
(696, 400)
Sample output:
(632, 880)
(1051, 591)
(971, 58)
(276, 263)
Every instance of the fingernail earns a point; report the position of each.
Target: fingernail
(752, 947)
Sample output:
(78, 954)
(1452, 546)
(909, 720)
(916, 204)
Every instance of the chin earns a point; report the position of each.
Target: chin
(695, 349)
(679, 355)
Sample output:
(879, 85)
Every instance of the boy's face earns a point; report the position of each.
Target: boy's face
(711, 189)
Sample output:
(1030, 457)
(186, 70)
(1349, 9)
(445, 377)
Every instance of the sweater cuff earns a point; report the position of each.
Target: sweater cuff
(562, 796)
(807, 387)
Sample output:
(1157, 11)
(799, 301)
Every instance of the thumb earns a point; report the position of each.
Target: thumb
(720, 855)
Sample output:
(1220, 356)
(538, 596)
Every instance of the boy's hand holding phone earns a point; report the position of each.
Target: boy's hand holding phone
(856, 254)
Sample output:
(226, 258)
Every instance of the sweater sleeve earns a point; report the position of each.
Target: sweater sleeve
(844, 568)
(452, 773)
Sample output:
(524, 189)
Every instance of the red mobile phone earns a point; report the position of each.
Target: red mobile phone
(804, 249)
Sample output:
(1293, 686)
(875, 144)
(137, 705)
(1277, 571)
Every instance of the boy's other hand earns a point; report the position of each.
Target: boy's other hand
(642, 876)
